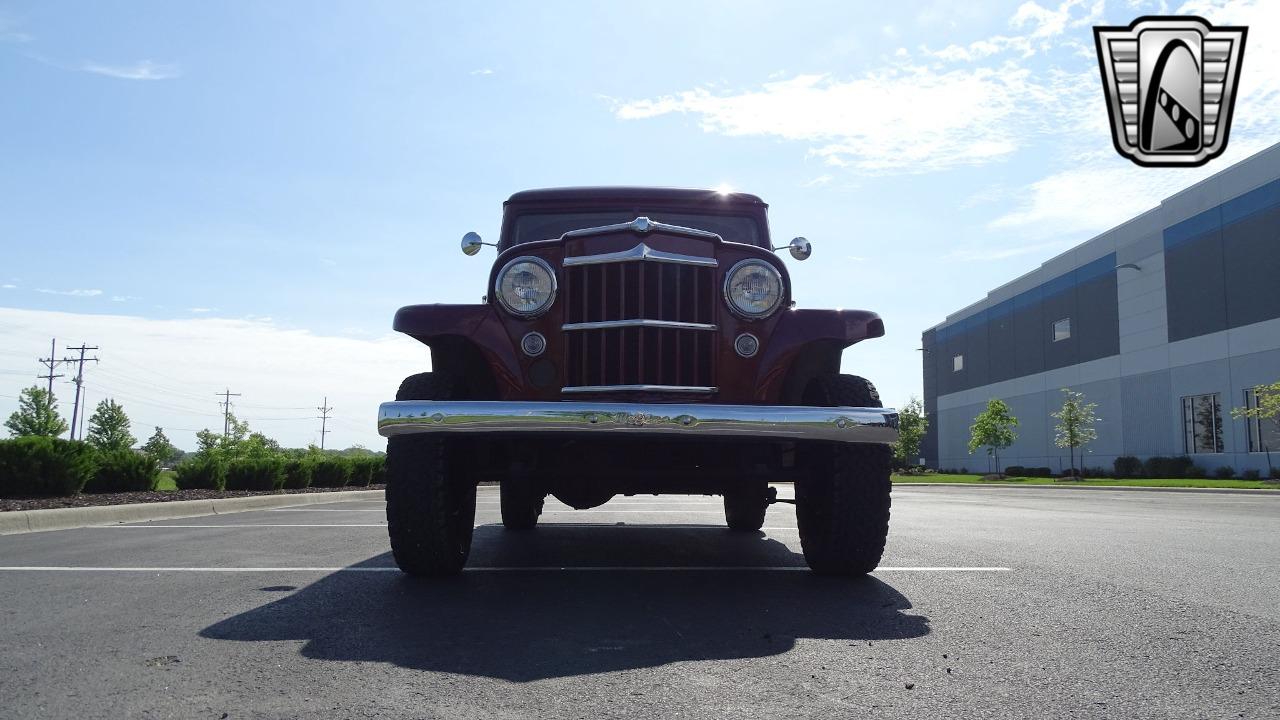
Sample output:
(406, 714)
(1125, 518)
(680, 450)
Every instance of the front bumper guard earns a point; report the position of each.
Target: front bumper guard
(701, 420)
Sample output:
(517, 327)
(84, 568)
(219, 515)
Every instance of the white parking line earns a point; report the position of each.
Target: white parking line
(383, 568)
(548, 510)
(718, 528)
(244, 525)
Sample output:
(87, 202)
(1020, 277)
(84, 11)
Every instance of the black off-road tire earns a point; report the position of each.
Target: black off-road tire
(843, 489)
(431, 495)
(744, 509)
(521, 501)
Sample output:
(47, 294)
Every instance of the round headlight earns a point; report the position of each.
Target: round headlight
(753, 289)
(526, 286)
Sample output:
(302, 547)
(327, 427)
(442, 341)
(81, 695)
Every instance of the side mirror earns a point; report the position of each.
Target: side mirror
(471, 244)
(800, 248)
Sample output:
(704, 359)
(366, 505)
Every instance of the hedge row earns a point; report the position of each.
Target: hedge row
(44, 466)
(274, 473)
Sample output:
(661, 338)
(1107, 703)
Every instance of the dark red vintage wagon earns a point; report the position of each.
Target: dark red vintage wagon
(637, 340)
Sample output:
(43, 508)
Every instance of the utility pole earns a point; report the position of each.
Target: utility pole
(51, 362)
(226, 396)
(324, 419)
(78, 380)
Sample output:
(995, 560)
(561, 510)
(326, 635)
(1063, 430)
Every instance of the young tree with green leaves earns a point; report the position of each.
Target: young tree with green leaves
(158, 447)
(109, 427)
(993, 429)
(1075, 428)
(1268, 409)
(912, 424)
(37, 414)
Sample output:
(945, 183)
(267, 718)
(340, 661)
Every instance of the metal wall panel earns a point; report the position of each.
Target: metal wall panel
(1148, 426)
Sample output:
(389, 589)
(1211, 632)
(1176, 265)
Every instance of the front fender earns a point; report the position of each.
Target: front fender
(806, 343)
(455, 333)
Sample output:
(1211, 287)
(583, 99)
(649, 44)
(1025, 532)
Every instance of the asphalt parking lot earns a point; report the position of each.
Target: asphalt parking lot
(991, 602)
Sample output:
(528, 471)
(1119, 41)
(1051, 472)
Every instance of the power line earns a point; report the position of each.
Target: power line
(226, 410)
(324, 419)
(78, 380)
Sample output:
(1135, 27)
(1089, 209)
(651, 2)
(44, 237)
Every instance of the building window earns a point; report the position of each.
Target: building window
(1062, 329)
(1202, 424)
(1264, 435)
(957, 363)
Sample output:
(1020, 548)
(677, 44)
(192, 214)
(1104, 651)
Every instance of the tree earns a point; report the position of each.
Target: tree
(1075, 424)
(993, 429)
(912, 424)
(158, 447)
(109, 427)
(1268, 408)
(239, 442)
(37, 414)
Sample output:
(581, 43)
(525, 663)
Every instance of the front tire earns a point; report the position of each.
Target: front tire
(431, 498)
(843, 490)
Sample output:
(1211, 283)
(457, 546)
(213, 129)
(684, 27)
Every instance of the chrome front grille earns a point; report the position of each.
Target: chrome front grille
(639, 321)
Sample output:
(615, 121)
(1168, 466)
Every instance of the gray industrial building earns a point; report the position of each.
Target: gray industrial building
(1167, 322)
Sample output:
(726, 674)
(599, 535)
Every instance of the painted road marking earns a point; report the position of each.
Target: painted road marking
(721, 528)
(554, 510)
(243, 525)
(384, 568)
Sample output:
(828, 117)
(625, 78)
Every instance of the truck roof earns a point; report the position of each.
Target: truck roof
(595, 194)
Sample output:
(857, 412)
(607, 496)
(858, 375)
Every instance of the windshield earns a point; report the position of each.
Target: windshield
(544, 226)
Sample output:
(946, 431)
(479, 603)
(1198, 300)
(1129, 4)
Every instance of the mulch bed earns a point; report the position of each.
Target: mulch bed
(126, 498)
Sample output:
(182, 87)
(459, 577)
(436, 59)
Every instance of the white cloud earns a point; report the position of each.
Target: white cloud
(78, 292)
(1104, 192)
(482, 71)
(818, 181)
(201, 310)
(9, 286)
(281, 373)
(1043, 22)
(977, 254)
(124, 298)
(143, 70)
(906, 119)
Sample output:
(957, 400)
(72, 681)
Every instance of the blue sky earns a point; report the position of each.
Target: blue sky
(279, 177)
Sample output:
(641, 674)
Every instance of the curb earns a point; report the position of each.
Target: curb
(25, 521)
(1120, 488)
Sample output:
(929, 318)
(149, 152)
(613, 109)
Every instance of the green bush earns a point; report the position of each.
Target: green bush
(123, 471)
(1015, 471)
(1170, 467)
(330, 472)
(44, 466)
(1226, 472)
(1127, 466)
(297, 473)
(361, 472)
(201, 473)
(1043, 472)
(379, 469)
(258, 473)
(1251, 475)
(1193, 472)
(1093, 472)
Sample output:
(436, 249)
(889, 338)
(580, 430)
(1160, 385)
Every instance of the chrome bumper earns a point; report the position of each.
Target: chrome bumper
(700, 420)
